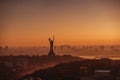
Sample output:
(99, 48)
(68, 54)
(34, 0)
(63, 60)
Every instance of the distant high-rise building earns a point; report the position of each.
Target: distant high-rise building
(6, 47)
(51, 52)
(0, 47)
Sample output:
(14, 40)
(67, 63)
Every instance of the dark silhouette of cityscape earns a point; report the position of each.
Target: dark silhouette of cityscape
(60, 67)
(86, 45)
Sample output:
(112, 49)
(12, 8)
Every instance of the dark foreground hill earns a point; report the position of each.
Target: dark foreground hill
(15, 67)
(79, 70)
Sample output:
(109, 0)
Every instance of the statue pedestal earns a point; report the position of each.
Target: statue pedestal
(51, 53)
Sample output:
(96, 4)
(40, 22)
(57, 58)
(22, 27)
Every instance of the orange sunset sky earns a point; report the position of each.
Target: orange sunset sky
(74, 22)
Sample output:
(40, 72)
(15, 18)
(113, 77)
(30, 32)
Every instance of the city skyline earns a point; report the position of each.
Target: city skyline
(83, 22)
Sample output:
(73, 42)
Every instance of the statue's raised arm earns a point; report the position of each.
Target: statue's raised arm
(53, 38)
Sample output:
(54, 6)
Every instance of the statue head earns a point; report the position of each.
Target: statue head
(49, 39)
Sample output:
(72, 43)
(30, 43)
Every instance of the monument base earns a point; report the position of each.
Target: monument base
(51, 54)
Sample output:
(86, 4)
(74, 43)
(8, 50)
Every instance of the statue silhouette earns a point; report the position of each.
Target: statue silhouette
(51, 52)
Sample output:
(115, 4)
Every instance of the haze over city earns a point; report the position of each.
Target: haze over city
(59, 39)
